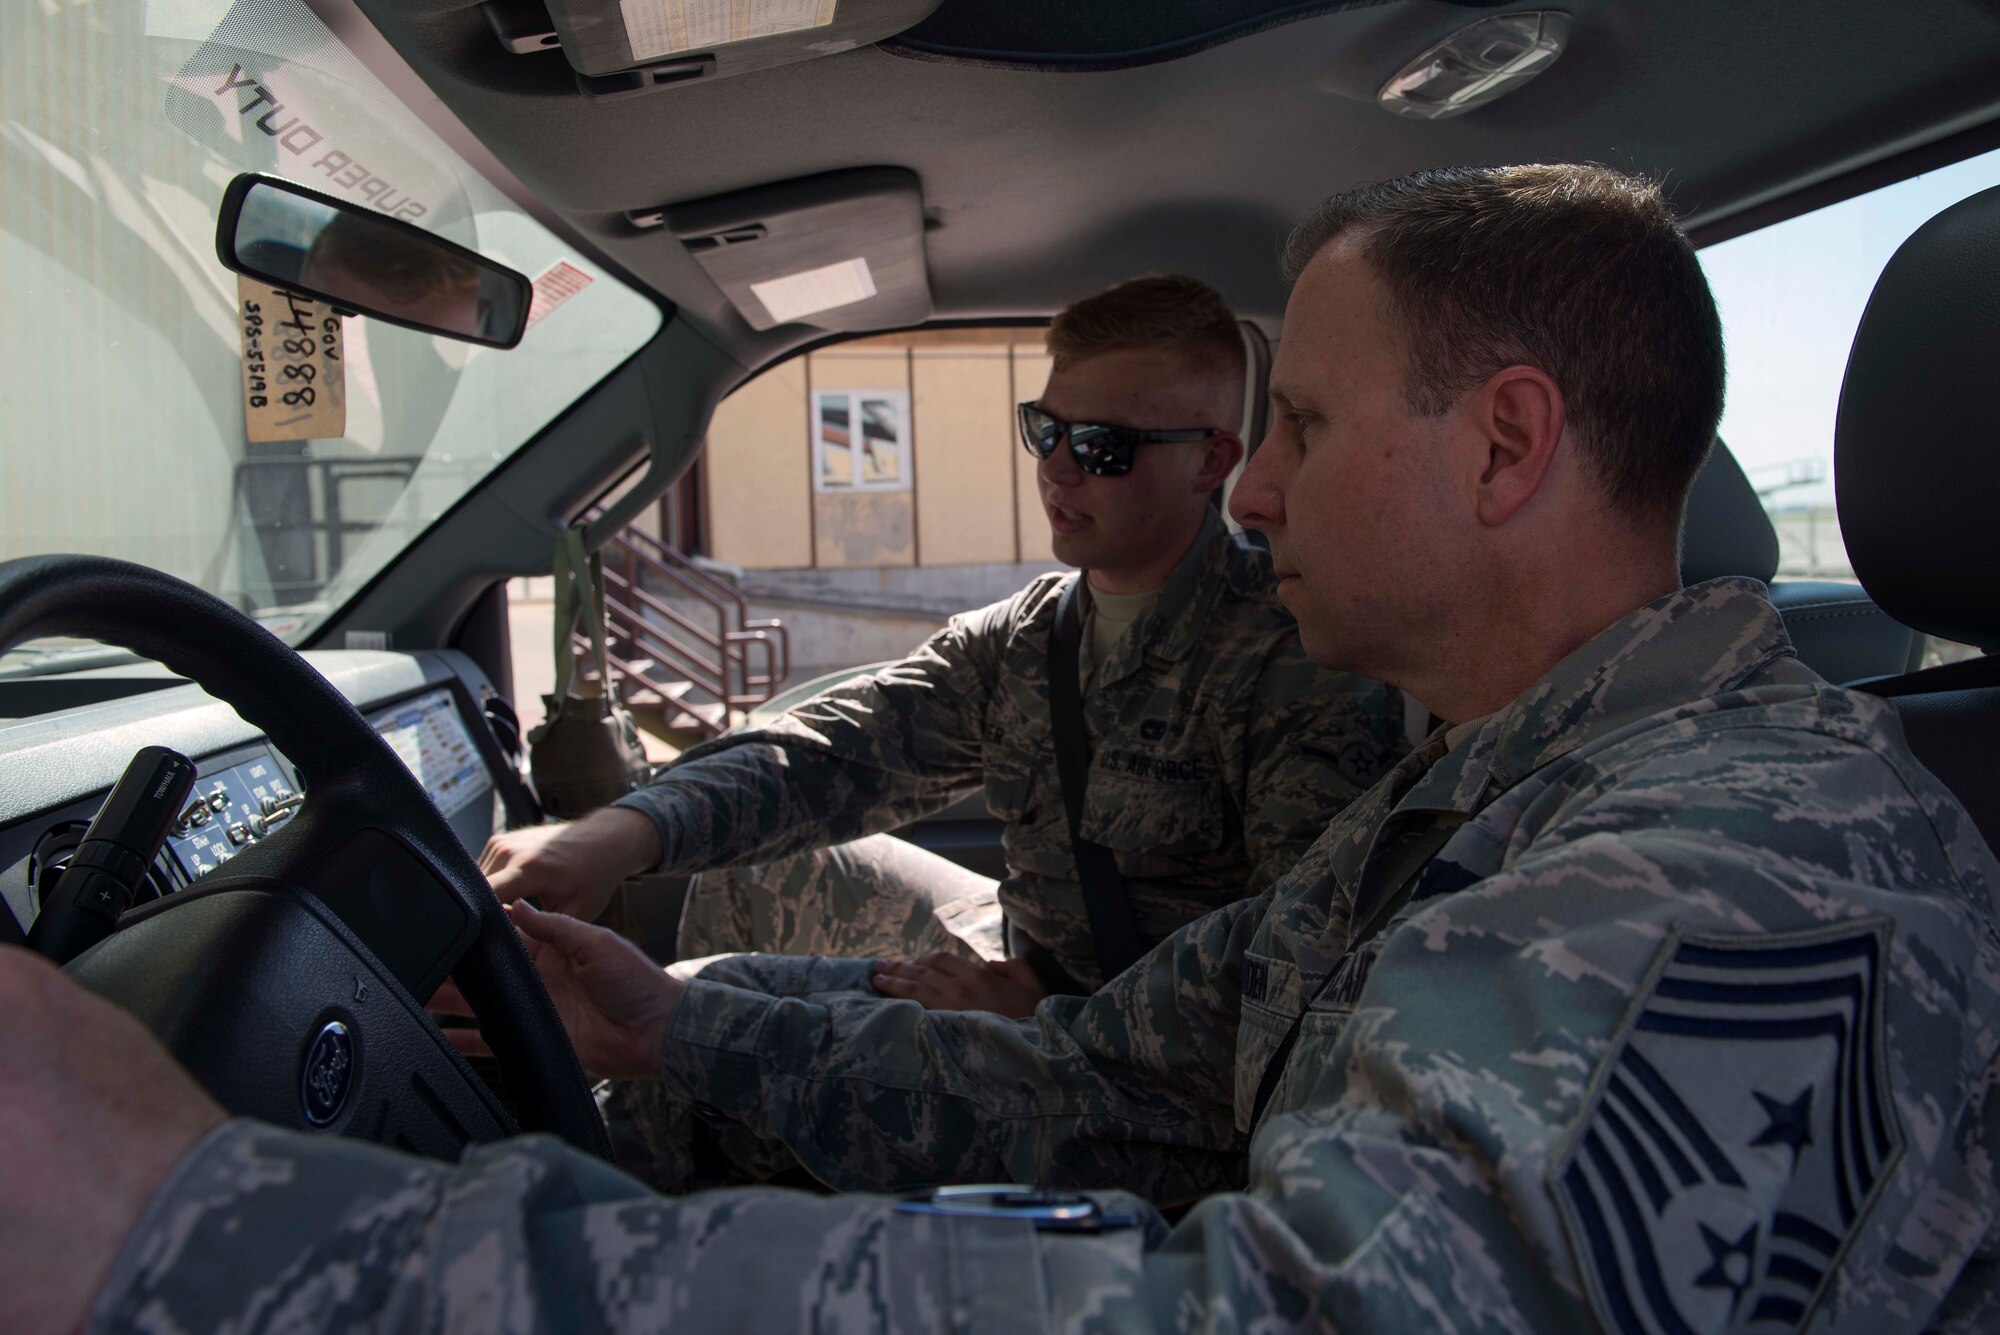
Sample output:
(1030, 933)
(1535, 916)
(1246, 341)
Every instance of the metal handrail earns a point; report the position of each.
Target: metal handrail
(723, 646)
(677, 569)
(696, 673)
(774, 672)
(662, 552)
(691, 573)
(701, 584)
(699, 673)
(612, 577)
(696, 670)
(716, 662)
(630, 671)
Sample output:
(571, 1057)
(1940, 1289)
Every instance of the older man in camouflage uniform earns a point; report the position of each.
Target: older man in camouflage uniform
(1219, 749)
(1658, 991)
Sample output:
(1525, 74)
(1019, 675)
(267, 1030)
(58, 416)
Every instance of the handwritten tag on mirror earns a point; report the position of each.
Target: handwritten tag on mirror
(294, 381)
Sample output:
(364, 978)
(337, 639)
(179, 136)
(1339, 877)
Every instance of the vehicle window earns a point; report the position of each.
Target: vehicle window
(121, 122)
(1791, 297)
(861, 495)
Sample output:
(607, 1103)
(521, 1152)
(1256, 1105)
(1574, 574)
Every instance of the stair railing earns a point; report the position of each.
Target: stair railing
(657, 556)
(643, 629)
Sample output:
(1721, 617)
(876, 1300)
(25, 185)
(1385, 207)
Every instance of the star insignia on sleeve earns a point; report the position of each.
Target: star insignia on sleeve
(1791, 1123)
(1730, 1264)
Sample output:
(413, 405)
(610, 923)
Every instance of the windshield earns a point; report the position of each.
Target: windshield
(121, 380)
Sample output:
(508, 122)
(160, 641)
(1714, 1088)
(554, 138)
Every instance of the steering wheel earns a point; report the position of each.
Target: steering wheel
(279, 979)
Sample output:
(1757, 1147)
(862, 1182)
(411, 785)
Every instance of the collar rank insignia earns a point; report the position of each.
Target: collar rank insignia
(1735, 1135)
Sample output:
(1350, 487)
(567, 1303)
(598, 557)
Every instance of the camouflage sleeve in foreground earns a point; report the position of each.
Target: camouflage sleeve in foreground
(868, 755)
(1129, 1088)
(1403, 1183)
(264, 1229)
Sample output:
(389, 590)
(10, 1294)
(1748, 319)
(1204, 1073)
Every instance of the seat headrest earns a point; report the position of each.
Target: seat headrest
(1725, 530)
(1914, 470)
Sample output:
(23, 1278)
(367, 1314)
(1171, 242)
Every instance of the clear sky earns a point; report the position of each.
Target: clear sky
(1791, 298)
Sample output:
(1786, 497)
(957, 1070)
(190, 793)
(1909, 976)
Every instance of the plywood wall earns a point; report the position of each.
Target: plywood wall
(1031, 372)
(972, 498)
(757, 473)
(962, 407)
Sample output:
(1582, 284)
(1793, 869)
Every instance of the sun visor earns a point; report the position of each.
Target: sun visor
(675, 41)
(1079, 35)
(843, 251)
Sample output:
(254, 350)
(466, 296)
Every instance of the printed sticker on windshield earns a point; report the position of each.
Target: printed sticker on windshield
(294, 381)
(557, 285)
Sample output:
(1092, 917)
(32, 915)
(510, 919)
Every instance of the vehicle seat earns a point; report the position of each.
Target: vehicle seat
(1841, 633)
(1916, 485)
(1256, 422)
(1837, 629)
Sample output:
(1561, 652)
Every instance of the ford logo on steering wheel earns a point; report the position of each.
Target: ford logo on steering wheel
(327, 1073)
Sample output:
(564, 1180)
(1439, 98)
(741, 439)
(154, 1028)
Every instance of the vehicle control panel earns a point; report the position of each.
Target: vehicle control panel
(231, 809)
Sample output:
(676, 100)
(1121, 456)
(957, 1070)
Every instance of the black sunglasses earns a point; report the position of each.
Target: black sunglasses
(1105, 451)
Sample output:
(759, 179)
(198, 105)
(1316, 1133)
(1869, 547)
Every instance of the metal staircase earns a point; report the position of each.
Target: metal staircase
(687, 657)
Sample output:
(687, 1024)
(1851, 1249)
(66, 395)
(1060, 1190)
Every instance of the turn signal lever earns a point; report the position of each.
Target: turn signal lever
(116, 853)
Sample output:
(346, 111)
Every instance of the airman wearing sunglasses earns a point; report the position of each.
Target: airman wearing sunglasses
(1216, 751)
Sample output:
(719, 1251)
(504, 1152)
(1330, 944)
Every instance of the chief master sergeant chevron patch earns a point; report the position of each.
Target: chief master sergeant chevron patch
(1735, 1135)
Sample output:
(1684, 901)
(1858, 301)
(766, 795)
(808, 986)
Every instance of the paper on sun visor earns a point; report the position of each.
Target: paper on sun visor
(798, 295)
(658, 28)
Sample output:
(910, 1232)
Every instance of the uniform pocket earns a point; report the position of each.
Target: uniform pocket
(1146, 817)
(1010, 784)
(1304, 1065)
(1259, 1031)
(1273, 992)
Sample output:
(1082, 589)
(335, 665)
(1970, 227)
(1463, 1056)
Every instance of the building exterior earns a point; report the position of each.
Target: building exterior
(887, 452)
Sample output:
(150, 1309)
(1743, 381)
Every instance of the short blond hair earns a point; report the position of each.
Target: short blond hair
(1163, 310)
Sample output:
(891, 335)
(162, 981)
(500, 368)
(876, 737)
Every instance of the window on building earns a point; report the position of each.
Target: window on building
(862, 440)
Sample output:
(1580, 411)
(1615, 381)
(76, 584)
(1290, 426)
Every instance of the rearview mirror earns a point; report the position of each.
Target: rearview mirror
(367, 264)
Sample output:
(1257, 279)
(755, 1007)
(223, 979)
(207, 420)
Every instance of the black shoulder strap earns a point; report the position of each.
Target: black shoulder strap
(1112, 923)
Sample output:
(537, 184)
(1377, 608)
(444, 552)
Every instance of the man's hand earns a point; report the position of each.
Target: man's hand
(95, 1116)
(571, 868)
(615, 1003)
(946, 982)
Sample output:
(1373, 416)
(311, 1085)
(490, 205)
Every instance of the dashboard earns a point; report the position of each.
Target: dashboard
(57, 768)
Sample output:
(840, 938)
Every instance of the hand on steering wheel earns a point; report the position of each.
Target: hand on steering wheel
(616, 1004)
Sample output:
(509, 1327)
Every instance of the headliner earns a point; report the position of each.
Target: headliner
(1043, 185)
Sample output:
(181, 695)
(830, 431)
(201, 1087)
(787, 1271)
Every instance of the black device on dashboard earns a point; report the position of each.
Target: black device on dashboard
(116, 854)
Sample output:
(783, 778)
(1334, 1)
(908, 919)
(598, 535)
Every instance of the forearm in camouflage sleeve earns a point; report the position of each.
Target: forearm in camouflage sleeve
(262, 1229)
(1402, 1186)
(1130, 1088)
(1317, 741)
(869, 755)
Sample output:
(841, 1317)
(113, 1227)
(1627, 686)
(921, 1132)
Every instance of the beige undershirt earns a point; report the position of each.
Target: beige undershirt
(1111, 615)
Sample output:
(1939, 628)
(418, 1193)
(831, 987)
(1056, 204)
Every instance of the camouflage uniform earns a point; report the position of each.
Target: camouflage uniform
(1220, 752)
(1670, 992)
